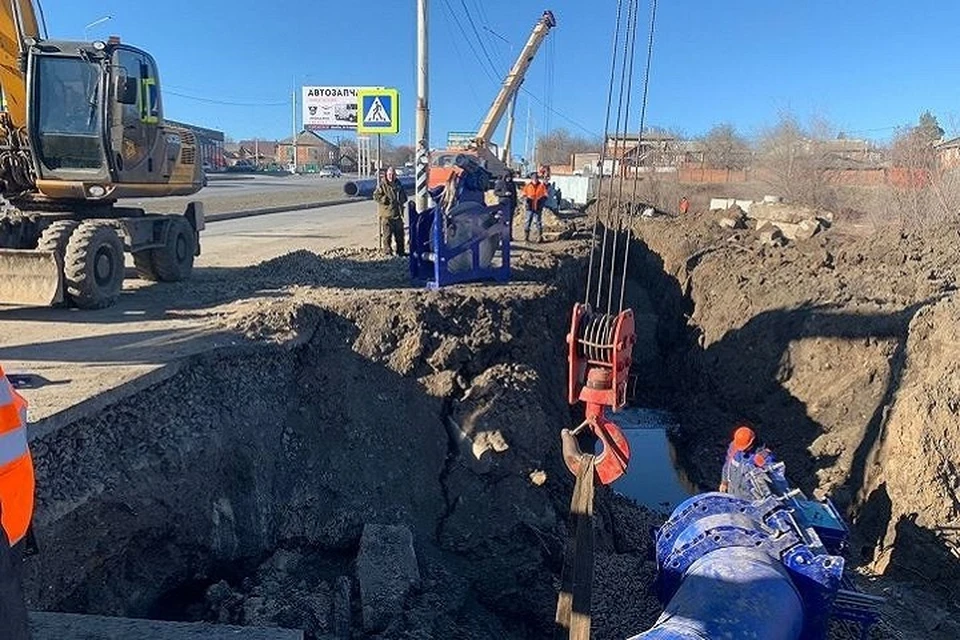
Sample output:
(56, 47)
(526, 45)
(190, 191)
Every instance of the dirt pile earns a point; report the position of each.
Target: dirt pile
(843, 351)
(245, 488)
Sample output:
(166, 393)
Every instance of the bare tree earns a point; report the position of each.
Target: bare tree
(794, 162)
(557, 146)
(925, 192)
(725, 148)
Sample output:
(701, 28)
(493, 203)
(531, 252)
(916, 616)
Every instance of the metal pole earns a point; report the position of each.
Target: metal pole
(379, 162)
(508, 137)
(256, 152)
(293, 128)
(423, 108)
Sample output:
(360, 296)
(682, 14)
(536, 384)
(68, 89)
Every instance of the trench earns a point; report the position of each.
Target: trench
(244, 489)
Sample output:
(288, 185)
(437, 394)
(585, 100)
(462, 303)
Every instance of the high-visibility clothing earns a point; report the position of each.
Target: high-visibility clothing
(534, 193)
(16, 467)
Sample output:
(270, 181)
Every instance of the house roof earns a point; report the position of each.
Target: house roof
(952, 143)
(309, 138)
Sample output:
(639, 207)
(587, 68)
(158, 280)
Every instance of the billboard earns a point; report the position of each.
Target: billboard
(460, 139)
(330, 108)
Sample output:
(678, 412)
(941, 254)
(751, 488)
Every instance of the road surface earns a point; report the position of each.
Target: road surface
(81, 354)
(232, 192)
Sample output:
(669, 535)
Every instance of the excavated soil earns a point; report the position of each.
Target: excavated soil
(248, 488)
(843, 351)
(251, 487)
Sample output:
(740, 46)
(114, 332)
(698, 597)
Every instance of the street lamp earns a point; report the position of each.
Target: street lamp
(87, 28)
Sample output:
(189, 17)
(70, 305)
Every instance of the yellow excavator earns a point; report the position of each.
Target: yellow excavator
(81, 125)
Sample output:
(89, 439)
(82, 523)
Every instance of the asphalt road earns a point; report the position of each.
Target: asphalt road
(82, 354)
(232, 192)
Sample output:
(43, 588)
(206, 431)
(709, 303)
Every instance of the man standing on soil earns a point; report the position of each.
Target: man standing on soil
(391, 197)
(506, 191)
(16, 509)
(535, 193)
(743, 454)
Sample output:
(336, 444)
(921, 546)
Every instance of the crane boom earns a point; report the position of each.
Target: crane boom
(514, 79)
(18, 20)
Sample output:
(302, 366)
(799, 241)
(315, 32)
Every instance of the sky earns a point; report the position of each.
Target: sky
(866, 66)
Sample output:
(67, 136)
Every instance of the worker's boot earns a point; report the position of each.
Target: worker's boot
(526, 236)
(540, 238)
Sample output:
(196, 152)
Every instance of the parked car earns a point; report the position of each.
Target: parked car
(329, 171)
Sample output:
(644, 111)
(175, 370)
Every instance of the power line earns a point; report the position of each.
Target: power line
(467, 39)
(561, 115)
(168, 91)
(463, 61)
(476, 34)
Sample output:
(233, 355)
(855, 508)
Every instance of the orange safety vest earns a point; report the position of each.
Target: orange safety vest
(535, 192)
(16, 467)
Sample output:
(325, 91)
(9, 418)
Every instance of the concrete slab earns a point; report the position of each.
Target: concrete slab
(387, 570)
(46, 625)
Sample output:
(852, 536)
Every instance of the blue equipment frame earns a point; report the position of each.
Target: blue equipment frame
(428, 230)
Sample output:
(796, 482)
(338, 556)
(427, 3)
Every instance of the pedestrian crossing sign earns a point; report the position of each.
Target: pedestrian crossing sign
(378, 111)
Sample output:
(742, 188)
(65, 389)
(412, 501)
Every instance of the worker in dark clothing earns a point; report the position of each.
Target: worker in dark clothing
(506, 191)
(743, 454)
(390, 196)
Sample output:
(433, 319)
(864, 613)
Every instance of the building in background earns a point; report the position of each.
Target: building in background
(210, 142)
(313, 152)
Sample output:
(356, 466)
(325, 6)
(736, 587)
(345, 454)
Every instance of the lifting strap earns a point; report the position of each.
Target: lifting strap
(576, 577)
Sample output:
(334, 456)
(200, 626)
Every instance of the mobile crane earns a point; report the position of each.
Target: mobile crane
(81, 126)
(442, 162)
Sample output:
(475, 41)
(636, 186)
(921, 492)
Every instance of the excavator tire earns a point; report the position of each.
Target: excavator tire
(55, 236)
(93, 265)
(174, 262)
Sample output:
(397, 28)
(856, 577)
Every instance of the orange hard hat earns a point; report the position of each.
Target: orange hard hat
(742, 438)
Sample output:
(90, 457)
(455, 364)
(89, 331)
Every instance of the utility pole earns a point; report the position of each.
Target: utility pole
(293, 127)
(423, 108)
(508, 137)
(526, 139)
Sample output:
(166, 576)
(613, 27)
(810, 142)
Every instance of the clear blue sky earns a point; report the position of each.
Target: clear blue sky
(866, 65)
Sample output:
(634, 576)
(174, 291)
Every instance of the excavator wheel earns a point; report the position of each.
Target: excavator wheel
(93, 265)
(174, 262)
(54, 238)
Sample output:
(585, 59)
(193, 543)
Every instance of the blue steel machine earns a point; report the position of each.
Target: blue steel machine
(461, 238)
(762, 562)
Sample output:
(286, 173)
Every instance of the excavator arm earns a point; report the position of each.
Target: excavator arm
(18, 20)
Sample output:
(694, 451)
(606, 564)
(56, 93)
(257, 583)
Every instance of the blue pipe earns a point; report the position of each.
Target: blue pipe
(734, 592)
(734, 568)
(365, 188)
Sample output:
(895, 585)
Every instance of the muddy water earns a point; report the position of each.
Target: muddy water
(654, 478)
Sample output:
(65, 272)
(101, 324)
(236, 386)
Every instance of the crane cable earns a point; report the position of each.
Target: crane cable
(643, 116)
(618, 214)
(573, 615)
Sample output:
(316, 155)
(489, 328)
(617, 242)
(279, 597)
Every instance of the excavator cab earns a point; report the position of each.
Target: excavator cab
(95, 120)
(82, 126)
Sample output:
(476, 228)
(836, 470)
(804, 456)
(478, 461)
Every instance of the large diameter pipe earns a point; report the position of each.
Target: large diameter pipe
(733, 592)
(365, 188)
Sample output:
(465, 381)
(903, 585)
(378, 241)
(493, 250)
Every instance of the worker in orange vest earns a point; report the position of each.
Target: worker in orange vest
(535, 194)
(743, 454)
(16, 508)
(684, 205)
